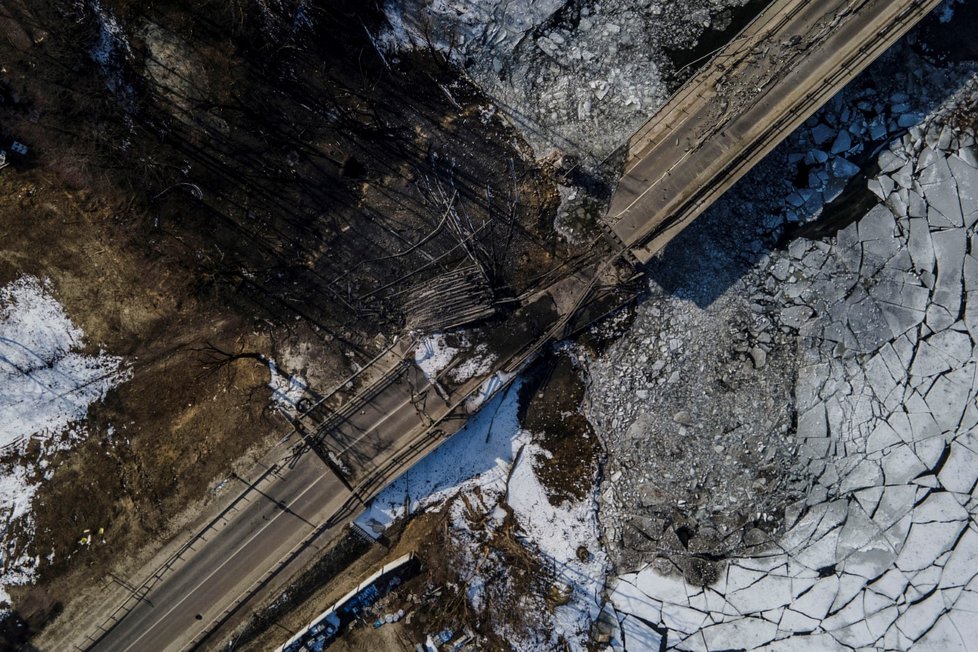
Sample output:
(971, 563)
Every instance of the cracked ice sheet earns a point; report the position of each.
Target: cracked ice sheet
(894, 560)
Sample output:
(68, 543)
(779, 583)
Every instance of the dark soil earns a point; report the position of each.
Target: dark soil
(947, 41)
(550, 400)
(239, 178)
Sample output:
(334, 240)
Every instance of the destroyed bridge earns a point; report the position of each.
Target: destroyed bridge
(754, 92)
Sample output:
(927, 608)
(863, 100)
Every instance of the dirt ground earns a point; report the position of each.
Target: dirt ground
(208, 179)
(159, 439)
(550, 408)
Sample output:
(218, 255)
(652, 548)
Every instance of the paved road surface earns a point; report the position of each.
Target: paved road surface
(703, 141)
(281, 512)
(376, 440)
(788, 62)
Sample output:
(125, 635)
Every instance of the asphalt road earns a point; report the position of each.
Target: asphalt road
(365, 439)
(377, 440)
(279, 513)
(788, 62)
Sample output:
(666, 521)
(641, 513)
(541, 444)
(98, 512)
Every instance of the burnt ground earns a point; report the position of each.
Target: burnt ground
(235, 177)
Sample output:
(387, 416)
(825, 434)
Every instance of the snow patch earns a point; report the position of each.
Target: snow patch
(434, 354)
(287, 391)
(560, 532)
(110, 51)
(478, 454)
(479, 364)
(486, 390)
(481, 456)
(48, 385)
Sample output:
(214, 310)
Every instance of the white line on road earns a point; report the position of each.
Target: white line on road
(223, 563)
(379, 423)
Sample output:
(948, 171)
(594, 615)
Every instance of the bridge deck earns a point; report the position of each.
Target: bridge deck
(767, 81)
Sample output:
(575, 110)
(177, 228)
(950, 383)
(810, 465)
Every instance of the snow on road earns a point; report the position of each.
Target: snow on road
(47, 385)
(434, 354)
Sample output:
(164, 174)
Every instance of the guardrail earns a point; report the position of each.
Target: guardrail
(419, 445)
(409, 346)
(873, 43)
(139, 593)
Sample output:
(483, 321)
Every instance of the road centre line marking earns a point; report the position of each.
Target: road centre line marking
(228, 558)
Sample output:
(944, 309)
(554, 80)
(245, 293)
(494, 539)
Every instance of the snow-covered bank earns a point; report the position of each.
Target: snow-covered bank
(47, 385)
(490, 465)
(479, 454)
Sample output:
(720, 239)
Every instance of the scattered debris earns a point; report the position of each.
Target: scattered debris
(356, 605)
